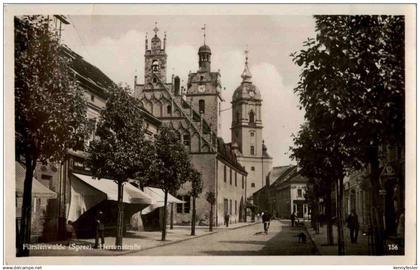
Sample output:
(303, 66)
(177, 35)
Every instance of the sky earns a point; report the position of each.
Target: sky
(116, 44)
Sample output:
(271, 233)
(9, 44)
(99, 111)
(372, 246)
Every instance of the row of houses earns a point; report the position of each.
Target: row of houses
(285, 193)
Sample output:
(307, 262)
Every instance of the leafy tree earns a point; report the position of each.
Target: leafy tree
(354, 71)
(120, 150)
(50, 111)
(211, 199)
(170, 168)
(196, 189)
(321, 160)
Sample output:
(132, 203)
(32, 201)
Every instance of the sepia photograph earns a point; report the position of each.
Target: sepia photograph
(211, 131)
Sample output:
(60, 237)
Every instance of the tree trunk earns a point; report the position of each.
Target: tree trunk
(171, 226)
(377, 211)
(211, 218)
(193, 216)
(164, 216)
(120, 218)
(340, 228)
(330, 237)
(25, 222)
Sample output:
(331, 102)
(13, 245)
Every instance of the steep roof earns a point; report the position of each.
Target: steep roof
(86, 71)
(226, 152)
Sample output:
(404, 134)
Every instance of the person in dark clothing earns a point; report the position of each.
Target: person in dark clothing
(353, 225)
(99, 230)
(292, 218)
(266, 217)
(227, 220)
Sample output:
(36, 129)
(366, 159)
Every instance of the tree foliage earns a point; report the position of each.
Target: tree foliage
(171, 166)
(120, 149)
(50, 111)
(352, 89)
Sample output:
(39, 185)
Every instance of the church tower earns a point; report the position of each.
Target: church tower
(247, 131)
(204, 89)
(155, 61)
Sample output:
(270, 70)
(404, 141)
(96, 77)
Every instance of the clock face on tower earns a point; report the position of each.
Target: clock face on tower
(201, 88)
(251, 93)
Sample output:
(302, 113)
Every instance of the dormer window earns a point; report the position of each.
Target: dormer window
(155, 66)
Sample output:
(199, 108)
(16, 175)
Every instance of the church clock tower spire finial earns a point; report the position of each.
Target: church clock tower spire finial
(246, 74)
(156, 29)
(204, 33)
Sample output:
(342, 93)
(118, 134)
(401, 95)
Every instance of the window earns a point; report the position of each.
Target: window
(154, 80)
(299, 192)
(252, 134)
(201, 106)
(236, 207)
(243, 182)
(230, 207)
(252, 150)
(186, 139)
(46, 177)
(236, 179)
(252, 168)
(251, 117)
(252, 184)
(92, 98)
(187, 204)
(155, 66)
(179, 207)
(224, 174)
(230, 176)
(237, 117)
(201, 77)
(169, 109)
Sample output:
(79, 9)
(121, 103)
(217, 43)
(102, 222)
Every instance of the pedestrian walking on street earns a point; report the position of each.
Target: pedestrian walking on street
(227, 220)
(266, 217)
(99, 230)
(292, 218)
(353, 225)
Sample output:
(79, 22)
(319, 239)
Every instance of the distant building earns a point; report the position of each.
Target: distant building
(285, 195)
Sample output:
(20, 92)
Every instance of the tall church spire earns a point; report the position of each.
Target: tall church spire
(246, 74)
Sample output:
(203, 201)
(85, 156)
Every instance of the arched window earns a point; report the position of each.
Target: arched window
(251, 117)
(201, 106)
(169, 109)
(154, 80)
(177, 86)
(252, 150)
(155, 66)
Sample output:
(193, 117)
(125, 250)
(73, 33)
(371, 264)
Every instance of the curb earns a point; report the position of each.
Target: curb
(312, 240)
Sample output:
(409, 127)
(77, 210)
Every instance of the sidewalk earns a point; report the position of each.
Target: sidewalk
(133, 241)
(320, 241)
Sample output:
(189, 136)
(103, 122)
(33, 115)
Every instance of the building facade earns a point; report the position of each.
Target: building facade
(194, 113)
(286, 195)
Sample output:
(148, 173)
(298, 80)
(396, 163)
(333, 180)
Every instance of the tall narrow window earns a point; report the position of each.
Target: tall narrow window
(224, 174)
(236, 179)
(169, 109)
(251, 117)
(237, 117)
(243, 182)
(155, 66)
(252, 150)
(187, 139)
(236, 207)
(230, 176)
(201, 106)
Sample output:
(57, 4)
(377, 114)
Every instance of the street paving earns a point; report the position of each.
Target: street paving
(249, 240)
